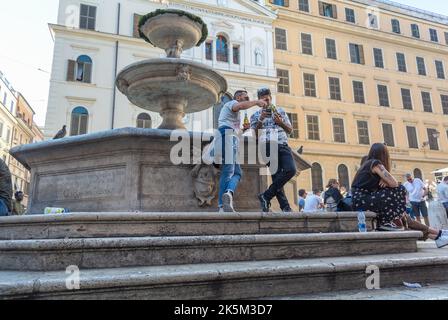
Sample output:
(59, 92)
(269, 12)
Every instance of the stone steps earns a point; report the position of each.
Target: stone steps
(102, 225)
(58, 254)
(233, 280)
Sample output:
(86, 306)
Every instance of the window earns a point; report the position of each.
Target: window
(5, 97)
(418, 174)
(415, 31)
(283, 3)
(236, 55)
(144, 121)
(350, 15)
(421, 67)
(313, 127)
(280, 39)
(343, 177)
(84, 69)
(1, 129)
(338, 130)
(412, 137)
(357, 53)
(363, 132)
(8, 135)
(388, 134)
(209, 50)
(383, 95)
(283, 85)
(79, 122)
(335, 88)
(328, 10)
(433, 35)
(87, 18)
(401, 62)
(307, 44)
(373, 21)
(316, 177)
(309, 82)
(358, 92)
(295, 125)
(440, 69)
(446, 38)
(331, 49)
(444, 99)
(433, 140)
(396, 26)
(304, 5)
(407, 99)
(378, 56)
(427, 103)
(222, 49)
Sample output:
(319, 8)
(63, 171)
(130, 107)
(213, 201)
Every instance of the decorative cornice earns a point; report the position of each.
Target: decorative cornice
(312, 108)
(386, 117)
(361, 116)
(308, 67)
(337, 111)
(333, 71)
(357, 75)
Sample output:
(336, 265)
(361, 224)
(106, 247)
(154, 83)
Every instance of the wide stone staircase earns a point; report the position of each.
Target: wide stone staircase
(204, 255)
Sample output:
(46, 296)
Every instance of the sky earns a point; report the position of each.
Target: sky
(26, 45)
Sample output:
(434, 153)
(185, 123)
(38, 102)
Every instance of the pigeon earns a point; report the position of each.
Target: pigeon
(300, 151)
(61, 134)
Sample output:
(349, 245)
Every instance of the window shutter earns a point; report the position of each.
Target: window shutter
(87, 73)
(335, 11)
(136, 33)
(321, 8)
(71, 70)
(361, 54)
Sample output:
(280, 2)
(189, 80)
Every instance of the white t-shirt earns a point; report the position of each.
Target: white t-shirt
(228, 117)
(442, 192)
(415, 190)
(312, 203)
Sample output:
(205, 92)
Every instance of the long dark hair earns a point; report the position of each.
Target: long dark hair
(379, 151)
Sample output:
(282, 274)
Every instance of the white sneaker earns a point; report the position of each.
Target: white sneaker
(445, 233)
(442, 241)
(221, 210)
(227, 200)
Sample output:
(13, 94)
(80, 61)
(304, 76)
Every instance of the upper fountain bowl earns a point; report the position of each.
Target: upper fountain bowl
(173, 30)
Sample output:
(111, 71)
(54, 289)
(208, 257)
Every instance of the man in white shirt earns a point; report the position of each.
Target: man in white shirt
(313, 202)
(442, 193)
(417, 192)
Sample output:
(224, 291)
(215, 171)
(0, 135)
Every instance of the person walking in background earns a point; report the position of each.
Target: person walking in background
(442, 193)
(18, 209)
(313, 202)
(301, 202)
(375, 189)
(229, 128)
(333, 198)
(272, 125)
(5, 189)
(417, 192)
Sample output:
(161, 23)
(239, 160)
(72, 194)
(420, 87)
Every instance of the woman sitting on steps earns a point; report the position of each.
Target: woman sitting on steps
(375, 189)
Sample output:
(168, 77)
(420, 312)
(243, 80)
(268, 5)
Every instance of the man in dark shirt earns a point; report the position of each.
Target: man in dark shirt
(5, 189)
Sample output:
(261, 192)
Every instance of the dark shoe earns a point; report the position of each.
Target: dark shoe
(265, 205)
(389, 227)
(287, 210)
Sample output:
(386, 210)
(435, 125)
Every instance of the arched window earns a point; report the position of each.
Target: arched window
(418, 174)
(80, 119)
(144, 121)
(84, 69)
(343, 177)
(316, 177)
(222, 49)
(217, 108)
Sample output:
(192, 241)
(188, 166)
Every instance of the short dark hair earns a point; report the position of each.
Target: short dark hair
(445, 179)
(264, 92)
(239, 93)
(315, 191)
(302, 192)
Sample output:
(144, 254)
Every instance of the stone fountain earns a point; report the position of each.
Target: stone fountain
(131, 169)
(172, 86)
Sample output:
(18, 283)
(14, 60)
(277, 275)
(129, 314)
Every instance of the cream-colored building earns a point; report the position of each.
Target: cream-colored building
(8, 104)
(357, 72)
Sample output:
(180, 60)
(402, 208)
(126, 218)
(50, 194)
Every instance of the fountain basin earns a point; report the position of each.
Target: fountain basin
(171, 87)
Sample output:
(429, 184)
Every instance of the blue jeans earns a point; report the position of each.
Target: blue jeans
(419, 207)
(285, 172)
(231, 173)
(3, 208)
(445, 204)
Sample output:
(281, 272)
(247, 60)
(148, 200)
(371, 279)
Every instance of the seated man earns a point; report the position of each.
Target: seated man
(5, 189)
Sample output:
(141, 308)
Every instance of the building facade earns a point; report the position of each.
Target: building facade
(352, 73)
(8, 121)
(96, 39)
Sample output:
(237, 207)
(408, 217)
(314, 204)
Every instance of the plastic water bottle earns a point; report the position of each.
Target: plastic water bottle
(362, 226)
